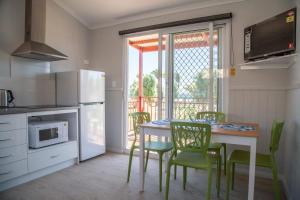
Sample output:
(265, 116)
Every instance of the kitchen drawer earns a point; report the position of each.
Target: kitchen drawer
(45, 157)
(12, 138)
(13, 170)
(12, 122)
(11, 154)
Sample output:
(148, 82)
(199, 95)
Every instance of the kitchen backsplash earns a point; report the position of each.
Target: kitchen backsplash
(30, 80)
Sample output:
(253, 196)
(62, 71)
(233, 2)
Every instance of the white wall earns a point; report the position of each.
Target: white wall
(291, 137)
(247, 89)
(31, 80)
(67, 35)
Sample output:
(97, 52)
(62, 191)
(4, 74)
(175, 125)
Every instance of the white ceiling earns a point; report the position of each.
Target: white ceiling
(101, 13)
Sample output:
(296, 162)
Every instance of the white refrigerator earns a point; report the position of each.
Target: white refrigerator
(85, 88)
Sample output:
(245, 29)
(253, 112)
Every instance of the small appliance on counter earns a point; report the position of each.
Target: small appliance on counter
(45, 133)
(6, 98)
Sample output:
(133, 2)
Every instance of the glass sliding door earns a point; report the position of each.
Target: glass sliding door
(174, 74)
(195, 68)
(146, 78)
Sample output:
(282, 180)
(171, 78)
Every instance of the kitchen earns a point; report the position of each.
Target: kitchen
(79, 80)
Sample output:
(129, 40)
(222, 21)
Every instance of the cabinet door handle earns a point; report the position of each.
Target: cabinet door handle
(6, 156)
(54, 156)
(4, 173)
(2, 123)
(2, 140)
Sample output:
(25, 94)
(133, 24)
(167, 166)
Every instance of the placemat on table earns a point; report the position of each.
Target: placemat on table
(161, 122)
(237, 127)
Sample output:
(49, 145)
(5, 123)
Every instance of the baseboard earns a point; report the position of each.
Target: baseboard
(259, 172)
(285, 186)
(31, 176)
(114, 150)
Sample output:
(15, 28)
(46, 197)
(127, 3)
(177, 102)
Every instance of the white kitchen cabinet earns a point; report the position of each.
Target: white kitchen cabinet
(12, 122)
(13, 170)
(13, 138)
(19, 163)
(48, 156)
(12, 154)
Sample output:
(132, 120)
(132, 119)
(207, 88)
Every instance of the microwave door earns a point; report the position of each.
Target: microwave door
(48, 134)
(92, 136)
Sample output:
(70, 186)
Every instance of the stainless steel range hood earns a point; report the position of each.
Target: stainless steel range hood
(35, 49)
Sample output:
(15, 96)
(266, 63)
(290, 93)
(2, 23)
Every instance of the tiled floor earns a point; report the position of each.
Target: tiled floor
(104, 178)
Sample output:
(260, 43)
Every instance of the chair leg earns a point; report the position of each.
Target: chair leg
(168, 181)
(147, 158)
(208, 195)
(225, 157)
(228, 178)
(276, 183)
(219, 175)
(232, 175)
(129, 163)
(160, 171)
(175, 168)
(219, 165)
(184, 176)
(175, 172)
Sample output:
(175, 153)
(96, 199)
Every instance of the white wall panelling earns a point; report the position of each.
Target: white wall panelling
(290, 148)
(260, 106)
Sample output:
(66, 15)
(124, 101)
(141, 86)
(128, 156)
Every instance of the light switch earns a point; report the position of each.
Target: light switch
(86, 62)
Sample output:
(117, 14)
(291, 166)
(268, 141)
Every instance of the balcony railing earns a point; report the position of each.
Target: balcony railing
(183, 108)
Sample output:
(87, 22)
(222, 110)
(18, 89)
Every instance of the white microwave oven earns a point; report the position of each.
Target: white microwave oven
(45, 133)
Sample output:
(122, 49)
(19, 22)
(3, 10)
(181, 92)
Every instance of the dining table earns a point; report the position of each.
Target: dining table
(219, 134)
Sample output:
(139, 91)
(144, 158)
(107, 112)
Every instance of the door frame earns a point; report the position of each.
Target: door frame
(226, 48)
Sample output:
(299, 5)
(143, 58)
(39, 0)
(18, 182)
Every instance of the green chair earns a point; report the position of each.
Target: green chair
(156, 146)
(190, 141)
(218, 117)
(262, 160)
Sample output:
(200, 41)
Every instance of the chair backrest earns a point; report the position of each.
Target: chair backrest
(139, 118)
(191, 136)
(211, 116)
(275, 135)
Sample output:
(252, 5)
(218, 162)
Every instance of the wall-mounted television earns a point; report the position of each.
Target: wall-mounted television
(273, 37)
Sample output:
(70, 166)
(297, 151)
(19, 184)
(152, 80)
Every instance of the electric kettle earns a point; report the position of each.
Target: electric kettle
(6, 97)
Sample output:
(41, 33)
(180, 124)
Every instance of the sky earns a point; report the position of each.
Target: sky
(150, 63)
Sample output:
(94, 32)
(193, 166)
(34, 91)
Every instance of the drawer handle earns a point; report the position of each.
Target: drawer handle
(2, 123)
(55, 156)
(2, 140)
(6, 156)
(4, 173)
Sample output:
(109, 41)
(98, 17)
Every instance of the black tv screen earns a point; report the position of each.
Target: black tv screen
(272, 37)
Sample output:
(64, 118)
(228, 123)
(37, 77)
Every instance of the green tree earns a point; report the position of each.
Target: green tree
(176, 85)
(199, 88)
(149, 86)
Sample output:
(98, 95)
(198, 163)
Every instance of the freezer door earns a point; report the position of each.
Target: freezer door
(92, 86)
(67, 88)
(92, 130)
